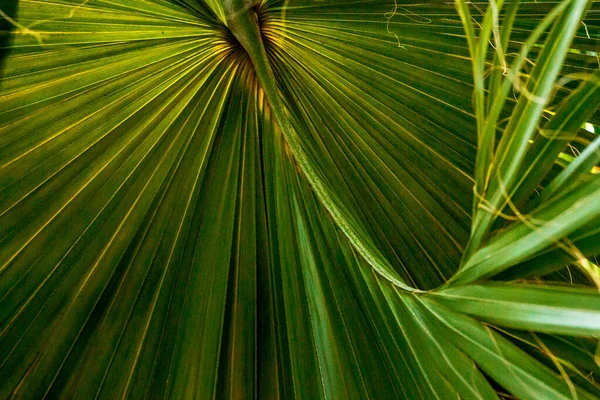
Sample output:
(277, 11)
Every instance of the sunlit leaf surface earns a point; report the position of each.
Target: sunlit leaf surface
(428, 233)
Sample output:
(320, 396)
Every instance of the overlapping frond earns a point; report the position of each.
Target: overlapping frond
(161, 237)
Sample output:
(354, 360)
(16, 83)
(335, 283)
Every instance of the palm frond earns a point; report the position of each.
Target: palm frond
(183, 218)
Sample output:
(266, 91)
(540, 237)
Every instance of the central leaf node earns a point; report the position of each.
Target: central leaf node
(243, 22)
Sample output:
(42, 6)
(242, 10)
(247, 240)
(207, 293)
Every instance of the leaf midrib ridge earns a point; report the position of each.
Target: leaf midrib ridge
(243, 22)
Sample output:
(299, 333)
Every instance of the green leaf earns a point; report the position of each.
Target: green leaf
(271, 199)
(503, 361)
(545, 228)
(552, 309)
(512, 148)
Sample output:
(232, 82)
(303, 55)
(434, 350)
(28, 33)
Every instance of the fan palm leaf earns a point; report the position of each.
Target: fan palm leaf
(299, 199)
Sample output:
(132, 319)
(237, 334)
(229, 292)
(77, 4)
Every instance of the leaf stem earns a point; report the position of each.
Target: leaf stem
(243, 22)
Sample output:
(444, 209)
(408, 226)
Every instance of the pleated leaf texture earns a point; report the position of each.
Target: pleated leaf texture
(363, 199)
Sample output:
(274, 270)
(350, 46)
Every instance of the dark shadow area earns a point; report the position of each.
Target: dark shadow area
(9, 8)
